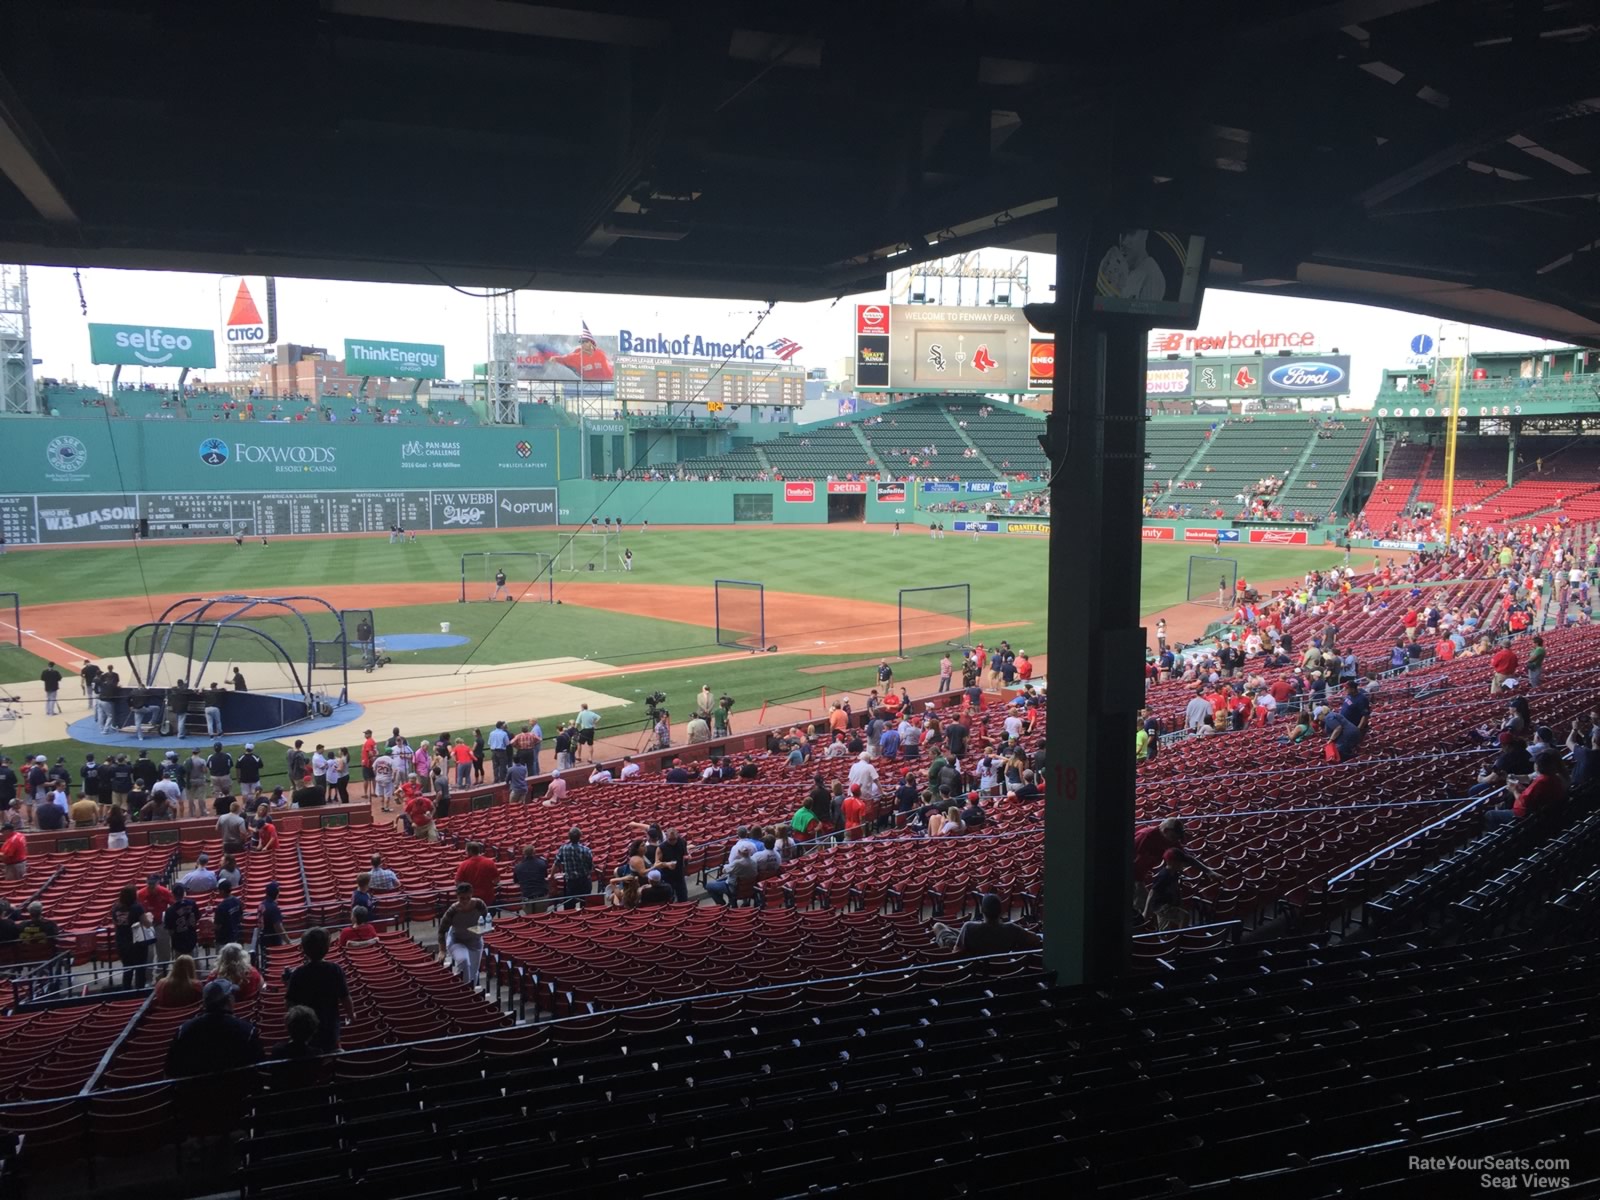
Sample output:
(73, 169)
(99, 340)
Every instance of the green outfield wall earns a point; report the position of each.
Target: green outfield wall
(86, 479)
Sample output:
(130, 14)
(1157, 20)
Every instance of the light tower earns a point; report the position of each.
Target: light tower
(16, 342)
(502, 366)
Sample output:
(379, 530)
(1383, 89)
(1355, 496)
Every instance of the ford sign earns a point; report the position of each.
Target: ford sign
(1309, 376)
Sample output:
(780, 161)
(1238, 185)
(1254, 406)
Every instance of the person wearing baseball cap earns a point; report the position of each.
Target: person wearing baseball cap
(216, 1040)
(655, 890)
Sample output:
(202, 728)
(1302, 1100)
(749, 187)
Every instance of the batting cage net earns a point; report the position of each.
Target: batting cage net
(741, 613)
(935, 616)
(1212, 580)
(11, 605)
(294, 645)
(529, 576)
(590, 550)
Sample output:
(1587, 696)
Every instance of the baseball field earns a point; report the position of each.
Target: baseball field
(610, 638)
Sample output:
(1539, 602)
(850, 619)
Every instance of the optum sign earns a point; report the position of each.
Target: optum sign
(151, 346)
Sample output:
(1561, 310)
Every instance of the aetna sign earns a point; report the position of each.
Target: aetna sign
(1251, 340)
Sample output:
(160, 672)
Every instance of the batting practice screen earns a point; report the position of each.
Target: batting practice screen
(529, 576)
(741, 613)
(1211, 580)
(932, 616)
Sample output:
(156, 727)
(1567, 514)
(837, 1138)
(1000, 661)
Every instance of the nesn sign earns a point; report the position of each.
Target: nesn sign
(1306, 376)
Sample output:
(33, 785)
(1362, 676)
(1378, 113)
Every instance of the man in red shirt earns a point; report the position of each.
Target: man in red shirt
(369, 755)
(855, 811)
(156, 899)
(1150, 844)
(13, 852)
(360, 930)
(1444, 650)
(481, 872)
(1504, 664)
(1546, 790)
(1281, 690)
(1024, 666)
(420, 809)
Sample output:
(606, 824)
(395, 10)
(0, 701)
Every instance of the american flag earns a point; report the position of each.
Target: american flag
(586, 334)
(784, 348)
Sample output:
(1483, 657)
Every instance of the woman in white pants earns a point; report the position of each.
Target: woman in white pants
(460, 937)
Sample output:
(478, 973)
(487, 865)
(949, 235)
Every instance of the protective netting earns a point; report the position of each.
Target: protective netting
(741, 613)
(589, 551)
(935, 616)
(529, 576)
(1212, 580)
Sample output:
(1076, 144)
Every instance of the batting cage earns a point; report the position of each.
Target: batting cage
(12, 601)
(935, 616)
(741, 613)
(292, 654)
(589, 550)
(529, 576)
(1212, 580)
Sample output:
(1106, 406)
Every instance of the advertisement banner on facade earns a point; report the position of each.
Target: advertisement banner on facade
(941, 486)
(977, 526)
(249, 316)
(463, 510)
(801, 492)
(520, 507)
(1000, 486)
(1387, 544)
(151, 346)
(1228, 377)
(1169, 380)
(872, 319)
(1036, 527)
(1157, 533)
(872, 361)
(1209, 405)
(891, 493)
(1278, 537)
(1210, 535)
(565, 356)
(1257, 341)
(1041, 364)
(1323, 375)
(847, 487)
(86, 518)
(396, 360)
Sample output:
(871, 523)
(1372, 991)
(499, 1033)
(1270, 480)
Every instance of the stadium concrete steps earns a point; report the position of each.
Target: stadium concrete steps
(962, 434)
(855, 428)
(1188, 468)
(1299, 464)
(766, 463)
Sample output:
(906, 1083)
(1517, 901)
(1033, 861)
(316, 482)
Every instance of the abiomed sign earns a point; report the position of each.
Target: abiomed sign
(396, 360)
(151, 346)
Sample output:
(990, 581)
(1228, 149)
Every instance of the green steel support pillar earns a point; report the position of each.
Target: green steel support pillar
(1096, 439)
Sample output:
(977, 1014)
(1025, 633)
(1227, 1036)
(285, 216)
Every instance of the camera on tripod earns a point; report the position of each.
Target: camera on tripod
(725, 702)
(653, 703)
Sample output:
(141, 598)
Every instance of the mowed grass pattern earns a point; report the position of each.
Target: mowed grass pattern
(1007, 577)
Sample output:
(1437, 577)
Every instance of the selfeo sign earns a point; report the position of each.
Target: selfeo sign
(151, 346)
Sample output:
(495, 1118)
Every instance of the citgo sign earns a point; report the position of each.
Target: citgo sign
(800, 493)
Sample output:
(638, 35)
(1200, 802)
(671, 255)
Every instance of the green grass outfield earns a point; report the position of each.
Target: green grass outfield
(1007, 577)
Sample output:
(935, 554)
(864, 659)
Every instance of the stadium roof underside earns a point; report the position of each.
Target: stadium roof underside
(1442, 157)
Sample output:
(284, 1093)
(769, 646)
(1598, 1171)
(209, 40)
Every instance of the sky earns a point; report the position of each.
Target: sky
(322, 313)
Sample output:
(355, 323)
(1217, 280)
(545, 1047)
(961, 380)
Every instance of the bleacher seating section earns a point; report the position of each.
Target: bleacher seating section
(1316, 487)
(451, 412)
(819, 453)
(1009, 438)
(1403, 466)
(908, 432)
(1240, 454)
(1168, 446)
